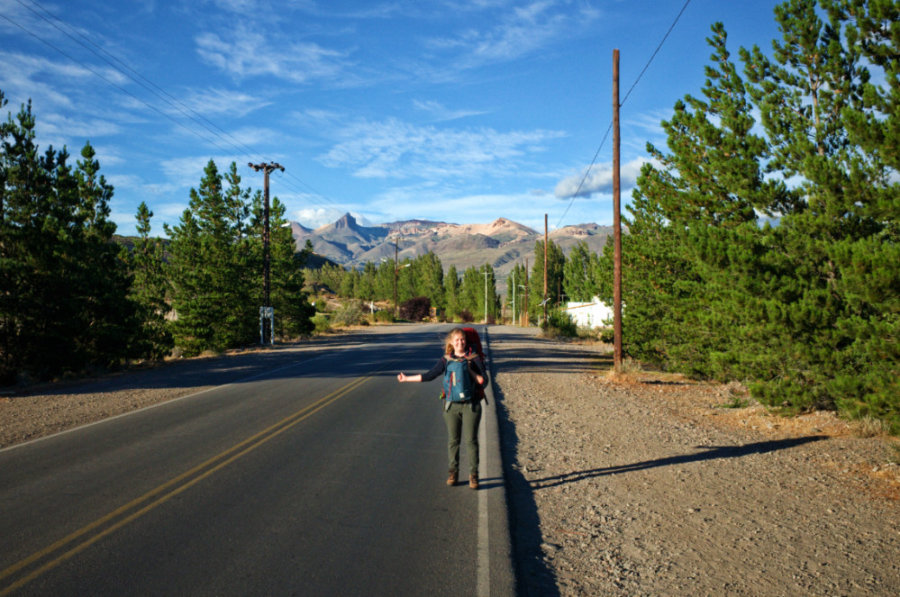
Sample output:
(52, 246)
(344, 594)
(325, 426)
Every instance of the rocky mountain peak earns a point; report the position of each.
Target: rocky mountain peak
(346, 222)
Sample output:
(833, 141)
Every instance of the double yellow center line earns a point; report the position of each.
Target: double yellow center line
(72, 544)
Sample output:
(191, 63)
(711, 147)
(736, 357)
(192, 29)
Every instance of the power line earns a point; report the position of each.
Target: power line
(655, 52)
(622, 103)
(138, 78)
(586, 172)
(210, 128)
(110, 83)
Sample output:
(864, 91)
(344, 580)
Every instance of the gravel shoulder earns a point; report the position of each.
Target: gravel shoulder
(642, 485)
(647, 485)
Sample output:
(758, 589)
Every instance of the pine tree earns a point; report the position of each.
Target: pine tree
(580, 274)
(807, 307)
(515, 289)
(693, 228)
(108, 316)
(489, 294)
(34, 289)
(384, 281)
(835, 308)
(64, 284)
(556, 261)
(349, 284)
(451, 293)
(366, 289)
(149, 290)
(406, 281)
(211, 258)
(471, 291)
(428, 273)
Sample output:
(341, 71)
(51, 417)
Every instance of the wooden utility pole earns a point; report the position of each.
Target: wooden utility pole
(485, 294)
(527, 320)
(617, 224)
(396, 273)
(545, 268)
(266, 313)
(515, 315)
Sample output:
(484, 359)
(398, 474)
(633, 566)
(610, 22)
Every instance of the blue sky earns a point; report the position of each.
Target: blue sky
(454, 110)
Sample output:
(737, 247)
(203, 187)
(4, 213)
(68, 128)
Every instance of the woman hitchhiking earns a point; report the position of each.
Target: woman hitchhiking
(463, 374)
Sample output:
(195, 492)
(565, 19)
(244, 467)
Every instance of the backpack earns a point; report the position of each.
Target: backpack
(459, 385)
(475, 351)
(473, 342)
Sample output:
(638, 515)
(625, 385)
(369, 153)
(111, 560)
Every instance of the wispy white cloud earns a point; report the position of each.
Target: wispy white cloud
(519, 31)
(240, 6)
(598, 179)
(26, 76)
(187, 172)
(251, 137)
(441, 113)
(243, 53)
(397, 149)
(638, 129)
(218, 101)
(63, 126)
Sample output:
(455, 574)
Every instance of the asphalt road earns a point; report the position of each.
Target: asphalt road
(320, 476)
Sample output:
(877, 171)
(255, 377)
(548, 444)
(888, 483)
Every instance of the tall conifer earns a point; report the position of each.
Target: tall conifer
(150, 289)
(556, 261)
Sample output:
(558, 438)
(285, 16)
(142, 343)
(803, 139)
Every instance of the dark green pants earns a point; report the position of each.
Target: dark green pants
(462, 420)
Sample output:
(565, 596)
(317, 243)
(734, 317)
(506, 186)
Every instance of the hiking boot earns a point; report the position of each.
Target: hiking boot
(473, 481)
(451, 480)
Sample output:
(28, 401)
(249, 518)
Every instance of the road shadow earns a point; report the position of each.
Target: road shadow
(533, 575)
(551, 359)
(709, 453)
(371, 352)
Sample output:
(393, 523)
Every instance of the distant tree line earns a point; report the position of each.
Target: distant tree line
(469, 297)
(72, 298)
(580, 277)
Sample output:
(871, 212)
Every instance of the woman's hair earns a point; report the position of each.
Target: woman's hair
(448, 341)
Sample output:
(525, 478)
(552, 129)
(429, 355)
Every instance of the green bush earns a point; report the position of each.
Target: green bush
(559, 324)
(383, 316)
(350, 313)
(321, 323)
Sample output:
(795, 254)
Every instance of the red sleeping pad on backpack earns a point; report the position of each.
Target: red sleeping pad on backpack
(473, 344)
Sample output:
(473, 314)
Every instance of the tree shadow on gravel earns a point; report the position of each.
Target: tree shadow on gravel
(710, 453)
(548, 359)
(533, 575)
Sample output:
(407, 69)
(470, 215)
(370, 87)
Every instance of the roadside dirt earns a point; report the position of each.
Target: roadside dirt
(645, 485)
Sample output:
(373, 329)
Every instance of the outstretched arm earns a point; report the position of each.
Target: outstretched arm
(401, 377)
(438, 369)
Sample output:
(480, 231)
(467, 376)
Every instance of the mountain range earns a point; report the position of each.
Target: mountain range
(501, 243)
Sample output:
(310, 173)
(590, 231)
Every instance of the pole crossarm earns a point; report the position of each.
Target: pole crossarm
(267, 167)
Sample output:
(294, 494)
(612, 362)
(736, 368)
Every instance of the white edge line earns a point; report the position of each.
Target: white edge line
(483, 561)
